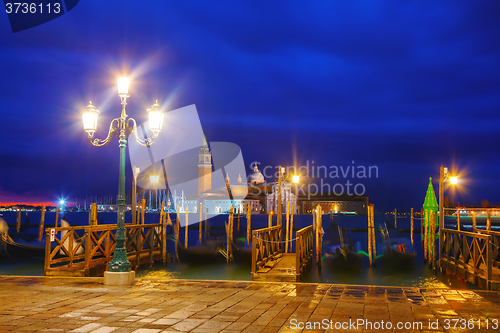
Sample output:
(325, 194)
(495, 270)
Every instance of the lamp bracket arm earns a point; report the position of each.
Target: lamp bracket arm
(146, 142)
(112, 130)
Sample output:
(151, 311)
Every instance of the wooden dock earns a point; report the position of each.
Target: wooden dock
(269, 263)
(89, 254)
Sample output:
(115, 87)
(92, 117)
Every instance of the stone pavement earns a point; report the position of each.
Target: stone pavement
(38, 304)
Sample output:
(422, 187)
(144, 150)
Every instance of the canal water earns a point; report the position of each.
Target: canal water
(383, 273)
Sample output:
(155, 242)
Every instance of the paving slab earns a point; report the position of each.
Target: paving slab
(48, 304)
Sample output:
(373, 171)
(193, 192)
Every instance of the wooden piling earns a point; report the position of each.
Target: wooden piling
(177, 232)
(395, 218)
(239, 218)
(57, 216)
(474, 223)
(200, 234)
(319, 243)
(374, 245)
(42, 222)
(138, 218)
(270, 220)
(206, 211)
(249, 224)
(163, 234)
(291, 228)
(229, 234)
(186, 228)
(426, 233)
(287, 225)
(422, 225)
(18, 220)
(488, 220)
(370, 256)
(143, 209)
(411, 226)
(458, 219)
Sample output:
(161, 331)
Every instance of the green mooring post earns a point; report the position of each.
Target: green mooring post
(430, 206)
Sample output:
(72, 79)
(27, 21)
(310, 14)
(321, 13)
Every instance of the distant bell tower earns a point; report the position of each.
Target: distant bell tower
(204, 168)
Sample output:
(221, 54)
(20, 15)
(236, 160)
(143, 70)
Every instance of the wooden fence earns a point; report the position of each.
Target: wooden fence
(86, 250)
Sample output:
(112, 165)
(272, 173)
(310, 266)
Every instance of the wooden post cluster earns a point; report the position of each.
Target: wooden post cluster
(372, 249)
(411, 226)
(249, 227)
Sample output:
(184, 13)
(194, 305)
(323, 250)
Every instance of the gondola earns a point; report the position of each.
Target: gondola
(17, 249)
(340, 249)
(209, 251)
(397, 251)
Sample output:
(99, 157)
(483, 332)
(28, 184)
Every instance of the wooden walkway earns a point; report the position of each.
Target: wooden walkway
(89, 255)
(269, 263)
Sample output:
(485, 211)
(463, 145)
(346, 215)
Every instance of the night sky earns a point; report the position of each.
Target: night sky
(401, 85)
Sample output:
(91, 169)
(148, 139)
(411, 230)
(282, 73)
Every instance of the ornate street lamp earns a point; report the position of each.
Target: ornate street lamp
(443, 176)
(122, 128)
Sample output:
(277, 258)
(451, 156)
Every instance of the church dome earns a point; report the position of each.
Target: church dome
(255, 177)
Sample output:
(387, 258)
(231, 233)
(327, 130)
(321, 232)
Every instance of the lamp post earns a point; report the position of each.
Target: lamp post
(443, 176)
(121, 127)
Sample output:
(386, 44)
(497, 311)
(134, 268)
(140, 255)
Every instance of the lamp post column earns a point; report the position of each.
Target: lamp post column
(441, 210)
(120, 262)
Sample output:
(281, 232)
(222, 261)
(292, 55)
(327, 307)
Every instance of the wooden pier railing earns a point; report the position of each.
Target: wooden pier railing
(304, 248)
(495, 246)
(468, 255)
(266, 246)
(269, 263)
(86, 250)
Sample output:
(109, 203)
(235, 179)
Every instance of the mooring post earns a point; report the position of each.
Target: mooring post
(291, 229)
(395, 218)
(287, 224)
(374, 245)
(200, 233)
(488, 219)
(474, 223)
(186, 228)
(320, 235)
(18, 220)
(42, 221)
(177, 232)
(370, 257)
(249, 228)
(206, 212)
(270, 219)
(411, 226)
(426, 233)
(458, 219)
(239, 207)
(143, 210)
(57, 216)
(422, 225)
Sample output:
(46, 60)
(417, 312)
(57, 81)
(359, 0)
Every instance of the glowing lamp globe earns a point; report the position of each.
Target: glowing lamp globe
(123, 84)
(154, 179)
(295, 179)
(453, 180)
(89, 117)
(155, 118)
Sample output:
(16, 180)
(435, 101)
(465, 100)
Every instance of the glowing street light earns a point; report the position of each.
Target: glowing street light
(295, 179)
(121, 127)
(443, 176)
